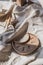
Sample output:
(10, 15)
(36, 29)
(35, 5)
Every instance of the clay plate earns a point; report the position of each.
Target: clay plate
(27, 48)
(24, 39)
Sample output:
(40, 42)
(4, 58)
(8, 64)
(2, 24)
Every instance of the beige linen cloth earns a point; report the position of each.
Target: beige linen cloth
(34, 15)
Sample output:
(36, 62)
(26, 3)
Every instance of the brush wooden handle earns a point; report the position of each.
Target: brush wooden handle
(7, 14)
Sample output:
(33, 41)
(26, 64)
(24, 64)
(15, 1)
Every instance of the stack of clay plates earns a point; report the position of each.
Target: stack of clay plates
(26, 45)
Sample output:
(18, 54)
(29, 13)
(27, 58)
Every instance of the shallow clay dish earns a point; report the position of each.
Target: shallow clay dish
(27, 48)
(24, 39)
